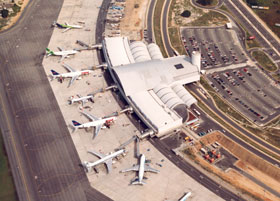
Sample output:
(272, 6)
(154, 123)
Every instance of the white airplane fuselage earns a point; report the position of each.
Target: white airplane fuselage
(102, 160)
(73, 74)
(141, 168)
(81, 98)
(97, 122)
(65, 52)
(75, 26)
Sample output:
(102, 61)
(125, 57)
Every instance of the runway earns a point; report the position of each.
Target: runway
(44, 161)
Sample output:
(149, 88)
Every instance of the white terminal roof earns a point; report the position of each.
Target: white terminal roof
(147, 75)
(142, 72)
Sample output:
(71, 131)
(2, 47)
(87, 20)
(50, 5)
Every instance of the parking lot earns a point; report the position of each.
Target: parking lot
(249, 91)
(219, 47)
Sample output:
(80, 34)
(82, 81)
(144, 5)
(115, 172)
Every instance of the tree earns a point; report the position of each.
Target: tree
(205, 2)
(252, 2)
(4, 13)
(186, 13)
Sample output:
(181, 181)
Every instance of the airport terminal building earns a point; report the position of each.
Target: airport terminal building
(152, 85)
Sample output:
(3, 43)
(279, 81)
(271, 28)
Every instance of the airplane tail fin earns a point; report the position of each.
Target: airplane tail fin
(54, 72)
(137, 182)
(86, 166)
(49, 52)
(75, 123)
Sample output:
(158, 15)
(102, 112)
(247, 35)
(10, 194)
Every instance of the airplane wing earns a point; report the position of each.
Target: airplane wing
(90, 116)
(97, 129)
(83, 102)
(149, 169)
(62, 57)
(72, 80)
(109, 164)
(60, 49)
(133, 168)
(99, 155)
(67, 29)
(69, 68)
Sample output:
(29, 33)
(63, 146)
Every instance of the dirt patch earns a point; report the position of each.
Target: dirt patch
(236, 179)
(133, 23)
(248, 162)
(256, 173)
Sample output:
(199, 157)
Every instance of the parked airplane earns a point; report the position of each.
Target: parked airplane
(141, 168)
(107, 159)
(186, 196)
(81, 99)
(61, 52)
(98, 123)
(73, 74)
(66, 26)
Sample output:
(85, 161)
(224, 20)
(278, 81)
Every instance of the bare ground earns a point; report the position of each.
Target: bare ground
(133, 23)
(248, 162)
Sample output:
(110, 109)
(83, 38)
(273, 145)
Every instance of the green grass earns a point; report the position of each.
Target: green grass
(7, 188)
(3, 22)
(276, 76)
(224, 8)
(16, 9)
(264, 61)
(252, 43)
(175, 40)
(157, 26)
(209, 18)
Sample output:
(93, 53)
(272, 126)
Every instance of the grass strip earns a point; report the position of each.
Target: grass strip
(7, 188)
(174, 36)
(264, 61)
(157, 26)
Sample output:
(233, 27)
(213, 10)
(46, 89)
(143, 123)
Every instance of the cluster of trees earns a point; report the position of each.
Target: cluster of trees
(252, 2)
(186, 13)
(4, 13)
(205, 2)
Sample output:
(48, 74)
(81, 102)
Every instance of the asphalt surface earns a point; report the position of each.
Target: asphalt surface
(217, 46)
(257, 24)
(43, 158)
(165, 29)
(249, 92)
(253, 30)
(150, 37)
(216, 126)
(194, 173)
